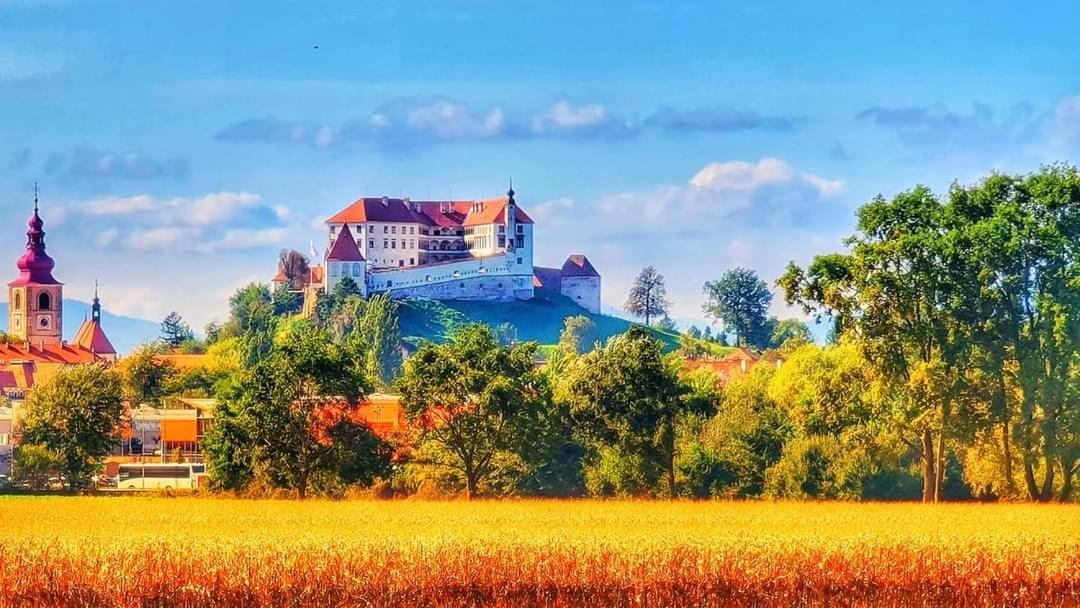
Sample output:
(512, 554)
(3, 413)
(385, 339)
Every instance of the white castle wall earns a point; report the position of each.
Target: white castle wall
(584, 291)
(494, 278)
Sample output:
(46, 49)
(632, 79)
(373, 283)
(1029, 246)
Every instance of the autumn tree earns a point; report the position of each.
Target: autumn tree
(76, 415)
(740, 300)
(473, 398)
(648, 295)
(296, 268)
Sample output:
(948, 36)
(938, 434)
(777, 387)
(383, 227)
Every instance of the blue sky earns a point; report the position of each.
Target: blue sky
(180, 145)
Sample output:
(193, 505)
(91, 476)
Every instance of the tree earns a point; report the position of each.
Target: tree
(35, 466)
(174, 331)
(286, 301)
(648, 295)
(294, 414)
(506, 333)
(145, 376)
(898, 288)
(668, 324)
(578, 336)
(379, 340)
(740, 300)
(75, 415)
(473, 398)
(794, 331)
(295, 267)
(624, 395)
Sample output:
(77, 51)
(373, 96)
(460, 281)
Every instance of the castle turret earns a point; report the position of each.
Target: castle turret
(511, 217)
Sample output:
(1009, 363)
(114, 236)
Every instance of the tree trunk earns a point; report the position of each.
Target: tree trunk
(939, 472)
(302, 484)
(470, 484)
(1050, 458)
(1006, 453)
(929, 477)
(1067, 471)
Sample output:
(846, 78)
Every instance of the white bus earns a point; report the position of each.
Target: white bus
(158, 476)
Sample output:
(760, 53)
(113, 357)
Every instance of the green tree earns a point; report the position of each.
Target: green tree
(648, 295)
(473, 398)
(294, 415)
(174, 331)
(898, 288)
(740, 300)
(578, 336)
(794, 331)
(75, 415)
(380, 340)
(286, 301)
(625, 396)
(146, 377)
(35, 465)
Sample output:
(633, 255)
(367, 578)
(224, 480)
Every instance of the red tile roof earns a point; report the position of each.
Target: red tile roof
(44, 353)
(345, 249)
(444, 214)
(92, 338)
(494, 212)
(578, 266)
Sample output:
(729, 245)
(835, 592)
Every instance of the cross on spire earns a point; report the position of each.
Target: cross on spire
(35, 197)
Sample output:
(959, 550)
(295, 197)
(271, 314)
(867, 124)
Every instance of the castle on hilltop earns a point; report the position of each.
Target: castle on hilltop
(441, 250)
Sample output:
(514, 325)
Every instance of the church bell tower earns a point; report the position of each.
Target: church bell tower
(35, 297)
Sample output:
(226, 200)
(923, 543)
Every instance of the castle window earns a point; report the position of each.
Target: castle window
(356, 270)
(44, 301)
(333, 270)
(412, 229)
(385, 229)
(385, 244)
(393, 230)
(371, 244)
(520, 229)
(393, 243)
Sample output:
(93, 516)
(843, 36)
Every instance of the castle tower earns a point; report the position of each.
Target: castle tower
(35, 298)
(511, 218)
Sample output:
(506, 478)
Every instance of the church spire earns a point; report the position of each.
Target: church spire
(95, 308)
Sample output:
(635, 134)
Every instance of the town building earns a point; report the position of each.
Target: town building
(33, 347)
(441, 250)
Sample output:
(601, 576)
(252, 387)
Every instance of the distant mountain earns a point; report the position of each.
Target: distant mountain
(125, 333)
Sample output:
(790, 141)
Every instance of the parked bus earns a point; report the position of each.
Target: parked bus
(159, 476)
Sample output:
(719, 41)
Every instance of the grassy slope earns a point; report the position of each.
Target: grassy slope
(539, 319)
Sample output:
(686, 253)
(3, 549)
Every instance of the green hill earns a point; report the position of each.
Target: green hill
(539, 319)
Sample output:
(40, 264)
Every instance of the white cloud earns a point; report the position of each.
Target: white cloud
(758, 214)
(214, 222)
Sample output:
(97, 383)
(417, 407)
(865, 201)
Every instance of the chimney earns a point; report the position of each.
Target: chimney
(742, 364)
(385, 201)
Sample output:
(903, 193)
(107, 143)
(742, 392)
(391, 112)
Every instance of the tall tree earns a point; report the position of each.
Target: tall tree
(473, 398)
(625, 395)
(76, 414)
(898, 290)
(175, 331)
(293, 409)
(380, 340)
(740, 300)
(648, 295)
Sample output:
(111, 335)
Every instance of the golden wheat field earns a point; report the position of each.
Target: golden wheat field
(128, 551)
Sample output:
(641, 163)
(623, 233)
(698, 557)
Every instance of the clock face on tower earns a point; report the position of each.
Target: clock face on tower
(44, 322)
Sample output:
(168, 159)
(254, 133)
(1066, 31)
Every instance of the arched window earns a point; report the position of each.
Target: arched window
(44, 301)
(18, 301)
(356, 270)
